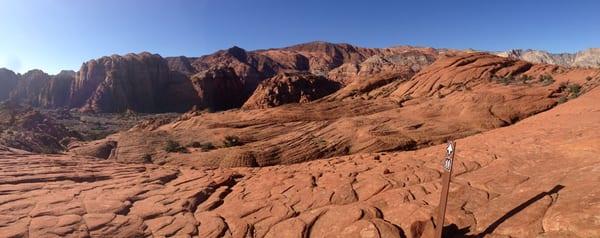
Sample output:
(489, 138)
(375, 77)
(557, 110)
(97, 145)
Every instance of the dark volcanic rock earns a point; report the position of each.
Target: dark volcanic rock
(8, 81)
(290, 88)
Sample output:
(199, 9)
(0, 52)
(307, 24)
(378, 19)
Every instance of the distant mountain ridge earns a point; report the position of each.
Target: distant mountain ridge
(589, 58)
(150, 83)
(226, 79)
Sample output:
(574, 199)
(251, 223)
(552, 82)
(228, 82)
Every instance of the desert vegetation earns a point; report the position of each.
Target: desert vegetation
(232, 141)
(172, 146)
(206, 146)
(546, 79)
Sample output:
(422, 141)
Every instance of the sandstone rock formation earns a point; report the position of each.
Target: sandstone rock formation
(30, 130)
(226, 79)
(360, 161)
(55, 93)
(29, 88)
(220, 88)
(367, 79)
(455, 97)
(8, 81)
(537, 178)
(137, 82)
(290, 88)
(324, 56)
(149, 83)
(118, 83)
(38, 89)
(584, 58)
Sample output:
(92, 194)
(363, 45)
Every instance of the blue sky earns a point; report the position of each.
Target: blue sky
(61, 34)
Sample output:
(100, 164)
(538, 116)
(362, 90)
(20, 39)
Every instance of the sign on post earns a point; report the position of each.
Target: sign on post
(446, 174)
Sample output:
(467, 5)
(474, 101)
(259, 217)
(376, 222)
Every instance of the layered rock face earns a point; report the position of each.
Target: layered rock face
(38, 89)
(227, 79)
(318, 58)
(30, 88)
(137, 82)
(587, 58)
(324, 56)
(389, 63)
(290, 88)
(234, 74)
(454, 97)
(220, 88)
(366, 80)
(224, 80)
(8, 81)
(584, 58)
(55, 93)
(363, 160)
(119, 83)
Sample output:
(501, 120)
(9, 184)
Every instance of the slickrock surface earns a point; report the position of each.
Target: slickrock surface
(537, 178)
(453, 98)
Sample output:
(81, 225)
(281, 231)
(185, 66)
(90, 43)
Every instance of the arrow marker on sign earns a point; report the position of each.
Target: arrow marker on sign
(446, 175)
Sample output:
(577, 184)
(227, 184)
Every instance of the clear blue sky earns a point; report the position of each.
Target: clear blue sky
(61, 34)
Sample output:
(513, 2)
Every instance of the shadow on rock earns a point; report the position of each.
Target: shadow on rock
(519, 208)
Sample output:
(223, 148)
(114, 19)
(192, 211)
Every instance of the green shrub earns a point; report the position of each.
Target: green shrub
(546, 79)
(562, 99)
(207, 146)
(173, 146)
(194, 144)
(526, 78)
(204, 146)
(574, 89)
(231, 141)
(506, 79)
(563, 85)
(147, 158)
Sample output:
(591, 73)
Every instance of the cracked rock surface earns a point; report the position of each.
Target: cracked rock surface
(537, 178)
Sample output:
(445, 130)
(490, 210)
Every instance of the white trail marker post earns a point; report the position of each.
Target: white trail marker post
(446, 175)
